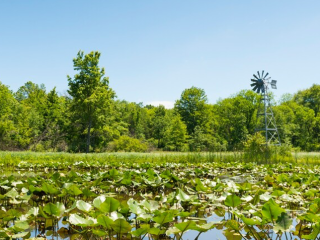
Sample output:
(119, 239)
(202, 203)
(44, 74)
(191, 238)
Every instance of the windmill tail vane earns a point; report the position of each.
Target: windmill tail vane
(266, 123)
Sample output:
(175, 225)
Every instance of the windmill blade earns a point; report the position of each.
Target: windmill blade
(258, 74)
(266, 74)
(262, 73)
(268, 78)
(258, 90)
(253, 84)
(255, 76)
(254, 80)
(255, 88)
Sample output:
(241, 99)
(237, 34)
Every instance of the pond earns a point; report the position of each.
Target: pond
(161, 201)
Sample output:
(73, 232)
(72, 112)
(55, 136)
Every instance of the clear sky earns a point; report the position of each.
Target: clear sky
(152, 50)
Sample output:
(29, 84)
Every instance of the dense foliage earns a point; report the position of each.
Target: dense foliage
(85, 196)
(90, 118)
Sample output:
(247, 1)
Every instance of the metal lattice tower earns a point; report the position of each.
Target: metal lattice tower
(266, 123)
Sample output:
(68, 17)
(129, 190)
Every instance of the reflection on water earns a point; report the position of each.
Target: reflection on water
(61, 232)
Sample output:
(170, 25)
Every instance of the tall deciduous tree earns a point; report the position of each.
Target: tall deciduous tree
(90, 92)
(192, 107)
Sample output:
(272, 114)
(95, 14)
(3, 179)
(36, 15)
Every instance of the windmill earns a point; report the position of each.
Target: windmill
(265, 118)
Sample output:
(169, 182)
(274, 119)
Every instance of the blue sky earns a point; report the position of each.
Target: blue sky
(153, 50)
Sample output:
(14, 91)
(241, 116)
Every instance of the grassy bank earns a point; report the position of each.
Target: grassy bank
(63, 160)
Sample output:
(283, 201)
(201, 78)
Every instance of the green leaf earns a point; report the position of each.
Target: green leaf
(314, 234)
(121, 226)
(155, 231)
(116, 215)
(109, 205)
(232, 201)
(19, 235)
(99, 232)
(172, 230)
(49, 189)
(247, 198)
(265, 197)
(144, 217)
(232, 225)
(184, 226)
(284, 222)
(314, 208)
(200, 187)
(42, 213)
(277, 193)
(74, 190)
(80, 221)
(34, 211)
(105, 221)
(113, 173)
(164, 217)
(144, 228)
(150, 205)
(271, 211)
(98, 201)
(56, 209)
(83, 206)
(134, 207)
(182, 196)
(250, 221)
(21, 225)
(12, 193)
(310, 217)
(231, 235)
(204, 227)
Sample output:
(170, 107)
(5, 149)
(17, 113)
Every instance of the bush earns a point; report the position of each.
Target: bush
(127, 144)
(255, 149)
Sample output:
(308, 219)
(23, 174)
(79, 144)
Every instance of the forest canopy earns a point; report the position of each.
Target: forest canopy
(91, 119)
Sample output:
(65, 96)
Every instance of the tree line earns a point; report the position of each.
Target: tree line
(89, 118)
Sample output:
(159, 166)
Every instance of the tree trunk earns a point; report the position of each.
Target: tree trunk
(88, 136)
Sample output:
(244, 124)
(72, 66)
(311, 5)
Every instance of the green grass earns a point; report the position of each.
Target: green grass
(14, 159)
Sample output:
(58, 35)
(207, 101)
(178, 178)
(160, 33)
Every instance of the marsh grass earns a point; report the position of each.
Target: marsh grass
(64, 160)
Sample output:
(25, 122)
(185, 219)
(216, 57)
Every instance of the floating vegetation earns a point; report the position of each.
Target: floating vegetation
(141, 200)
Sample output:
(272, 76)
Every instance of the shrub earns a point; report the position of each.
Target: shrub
(255, 149)
(127, 144)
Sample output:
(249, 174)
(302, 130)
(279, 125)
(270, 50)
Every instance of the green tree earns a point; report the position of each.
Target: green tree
(16, 129)
(111, 127)
(176, 134)
(248, 103)
(32, 97)
(232, 122)
(297, 125)
(192, 107)
(56, 121)
(7, 103)
(137, 119)
(91, 94)
(305, 121)
(160, 124)
(309, 98)
(285, 119)
(198, 140)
